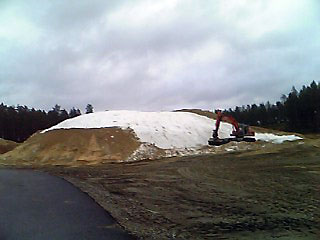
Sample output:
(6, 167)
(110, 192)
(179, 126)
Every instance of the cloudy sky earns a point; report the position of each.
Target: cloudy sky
(156, 55)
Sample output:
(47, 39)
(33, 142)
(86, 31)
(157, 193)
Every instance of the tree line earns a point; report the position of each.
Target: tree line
(17, 123)
(298, 111)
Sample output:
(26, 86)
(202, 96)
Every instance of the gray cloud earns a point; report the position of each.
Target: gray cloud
(155, 55)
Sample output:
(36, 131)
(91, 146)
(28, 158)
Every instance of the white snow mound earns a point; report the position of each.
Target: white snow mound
(269, 137)
(166, 130)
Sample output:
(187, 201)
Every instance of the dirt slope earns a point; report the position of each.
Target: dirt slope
(205, 113)
(74, 147)
(271, 192)
(6, 145)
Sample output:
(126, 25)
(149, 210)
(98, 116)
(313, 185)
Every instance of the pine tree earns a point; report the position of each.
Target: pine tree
(89, 109)
(74, 112)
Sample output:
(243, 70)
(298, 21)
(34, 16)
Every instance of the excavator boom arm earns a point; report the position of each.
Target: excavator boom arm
(228, 119)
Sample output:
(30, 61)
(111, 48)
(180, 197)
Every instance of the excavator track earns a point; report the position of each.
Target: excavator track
(219, 141)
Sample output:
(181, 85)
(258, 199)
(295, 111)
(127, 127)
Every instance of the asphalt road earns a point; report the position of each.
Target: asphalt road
(35, 205)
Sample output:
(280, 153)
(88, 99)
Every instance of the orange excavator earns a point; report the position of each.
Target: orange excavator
(241, 132)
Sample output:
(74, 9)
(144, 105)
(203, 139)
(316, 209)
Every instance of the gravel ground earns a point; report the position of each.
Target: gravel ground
(271, 193)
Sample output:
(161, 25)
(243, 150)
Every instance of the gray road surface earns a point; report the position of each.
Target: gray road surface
(35, 205)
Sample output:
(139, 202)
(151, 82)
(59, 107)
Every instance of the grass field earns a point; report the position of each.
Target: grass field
(271, 192)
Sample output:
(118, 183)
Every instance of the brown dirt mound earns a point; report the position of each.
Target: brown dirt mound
(205, 113)
(74, 147)
(6, 145)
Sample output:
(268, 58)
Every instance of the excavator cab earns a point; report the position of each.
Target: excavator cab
(244, 130)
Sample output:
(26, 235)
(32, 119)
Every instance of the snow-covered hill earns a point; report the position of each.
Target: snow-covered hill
(166, 130)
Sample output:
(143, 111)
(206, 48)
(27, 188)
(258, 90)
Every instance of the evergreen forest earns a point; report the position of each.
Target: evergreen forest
(20, 122)
(299, 111)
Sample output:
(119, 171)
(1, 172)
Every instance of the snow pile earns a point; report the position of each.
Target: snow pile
(269, 137)
(165, 130)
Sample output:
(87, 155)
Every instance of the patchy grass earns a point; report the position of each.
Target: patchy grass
(7, 146)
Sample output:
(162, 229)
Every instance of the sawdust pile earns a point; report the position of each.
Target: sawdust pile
(74, 147)
(6, 145)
